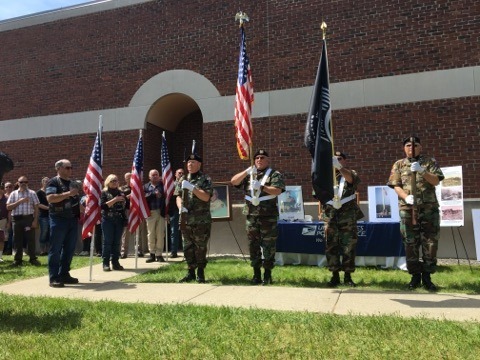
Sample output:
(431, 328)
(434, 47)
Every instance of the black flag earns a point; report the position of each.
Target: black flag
(318, 133)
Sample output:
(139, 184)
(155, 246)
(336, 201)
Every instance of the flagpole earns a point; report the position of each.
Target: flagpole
(92, 244)
(335, 182)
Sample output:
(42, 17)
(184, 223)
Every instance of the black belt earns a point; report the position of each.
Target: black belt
(20, 217)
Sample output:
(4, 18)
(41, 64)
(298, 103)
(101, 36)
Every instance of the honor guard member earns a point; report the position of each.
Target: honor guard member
(340, 216)
(423, 230)
(262, 185)
(193, 193)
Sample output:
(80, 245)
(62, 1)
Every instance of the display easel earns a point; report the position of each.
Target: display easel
(463, 243)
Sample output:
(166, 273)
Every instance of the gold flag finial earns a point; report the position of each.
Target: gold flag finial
(324, 29)
(242, 17)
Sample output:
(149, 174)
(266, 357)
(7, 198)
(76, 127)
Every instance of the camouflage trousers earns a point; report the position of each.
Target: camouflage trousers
(195, 242)
(341, 242)
(262, 233)
(424, 234)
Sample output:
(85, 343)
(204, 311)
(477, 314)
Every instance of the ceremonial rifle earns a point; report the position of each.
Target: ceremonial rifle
(183, 221)
(414, 185)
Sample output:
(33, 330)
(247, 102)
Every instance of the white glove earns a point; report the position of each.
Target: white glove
(416, 167)
(251, 170)
(184, 209)
(409, 200)
(187, 185)
(336, 164)
(256, 185)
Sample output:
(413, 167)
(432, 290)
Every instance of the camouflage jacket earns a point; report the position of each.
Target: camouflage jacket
(198, 210)
(266, 207)
(329, 212)
(402, 176)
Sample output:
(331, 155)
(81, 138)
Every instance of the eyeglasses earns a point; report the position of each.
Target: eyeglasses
(114, 180)
(260, 157)
(67, 167)
(22, 182)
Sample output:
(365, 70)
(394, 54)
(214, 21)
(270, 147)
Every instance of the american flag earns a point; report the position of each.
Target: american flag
(243, 102)
(92, 186)
(138, 203)
(167, 175)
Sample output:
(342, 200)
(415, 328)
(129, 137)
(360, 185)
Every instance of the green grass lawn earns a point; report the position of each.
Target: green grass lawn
(39, 327)
(451, 278)
(45, 328)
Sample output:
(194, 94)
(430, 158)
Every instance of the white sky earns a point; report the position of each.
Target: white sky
(14, 8)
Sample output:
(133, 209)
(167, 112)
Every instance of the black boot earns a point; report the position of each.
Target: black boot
(415, 282)
(347, 280)
(427, 282)
(116, 265)
(267, 277)
(335, 280)
(201, 276)
(189, 277)
(151, 258)
(257, 276)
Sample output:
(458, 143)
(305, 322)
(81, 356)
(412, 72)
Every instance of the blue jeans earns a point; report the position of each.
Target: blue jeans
(44, 223)
(174, 233)
(112, 228)
(63, 238)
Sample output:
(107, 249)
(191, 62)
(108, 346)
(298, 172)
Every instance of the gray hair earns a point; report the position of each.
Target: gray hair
(60, 163)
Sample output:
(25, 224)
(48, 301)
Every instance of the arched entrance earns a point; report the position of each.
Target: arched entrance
(172, 102)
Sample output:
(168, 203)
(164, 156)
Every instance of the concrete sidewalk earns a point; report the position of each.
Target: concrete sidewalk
(107, 286)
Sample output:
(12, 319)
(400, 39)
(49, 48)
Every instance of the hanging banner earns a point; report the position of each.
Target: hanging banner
(450, 197)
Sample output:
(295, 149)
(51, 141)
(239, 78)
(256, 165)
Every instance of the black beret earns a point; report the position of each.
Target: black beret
(261, 152)
(193, 157)
(409, 139)
(339, 153)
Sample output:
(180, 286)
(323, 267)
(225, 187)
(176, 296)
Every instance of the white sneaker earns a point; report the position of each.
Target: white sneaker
(1, 260)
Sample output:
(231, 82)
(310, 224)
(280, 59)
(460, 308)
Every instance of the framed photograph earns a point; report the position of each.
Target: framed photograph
(382, 204)
(290, 204)
(220, 205)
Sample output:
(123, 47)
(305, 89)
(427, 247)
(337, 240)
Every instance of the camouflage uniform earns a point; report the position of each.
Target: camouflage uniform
(198, 221)
(261, 225)
(341, 229)
(427, 231)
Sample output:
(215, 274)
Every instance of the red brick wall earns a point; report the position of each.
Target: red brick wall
(99, 61)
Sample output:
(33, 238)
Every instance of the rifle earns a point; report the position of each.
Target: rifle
(183, 221)
(414, 186)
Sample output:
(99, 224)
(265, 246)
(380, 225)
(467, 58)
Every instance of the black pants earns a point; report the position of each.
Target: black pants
(23, 232)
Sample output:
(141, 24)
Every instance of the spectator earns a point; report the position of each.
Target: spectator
(64, 212)
(43, 219)
(156, 220)
(23, 203)
(113, 203)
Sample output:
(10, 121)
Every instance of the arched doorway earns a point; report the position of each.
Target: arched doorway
(173, 103)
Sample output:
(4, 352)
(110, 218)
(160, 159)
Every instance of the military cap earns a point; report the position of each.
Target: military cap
(261, 152)
(339, 153)
(408, 139)
(193, 157)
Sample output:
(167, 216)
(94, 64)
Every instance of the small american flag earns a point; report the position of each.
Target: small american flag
(167, 175)
(138, 203)
(92, 186)
(243, 102)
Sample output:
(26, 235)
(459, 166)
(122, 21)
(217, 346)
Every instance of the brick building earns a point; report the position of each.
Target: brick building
(396, 68)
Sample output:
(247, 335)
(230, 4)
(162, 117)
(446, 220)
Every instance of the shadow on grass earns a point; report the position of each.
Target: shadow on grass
(28, 322)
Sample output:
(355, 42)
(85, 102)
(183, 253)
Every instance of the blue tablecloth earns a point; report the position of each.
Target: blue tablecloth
(374, 239)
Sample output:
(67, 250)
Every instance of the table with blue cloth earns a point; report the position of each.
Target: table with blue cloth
(379, 244)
